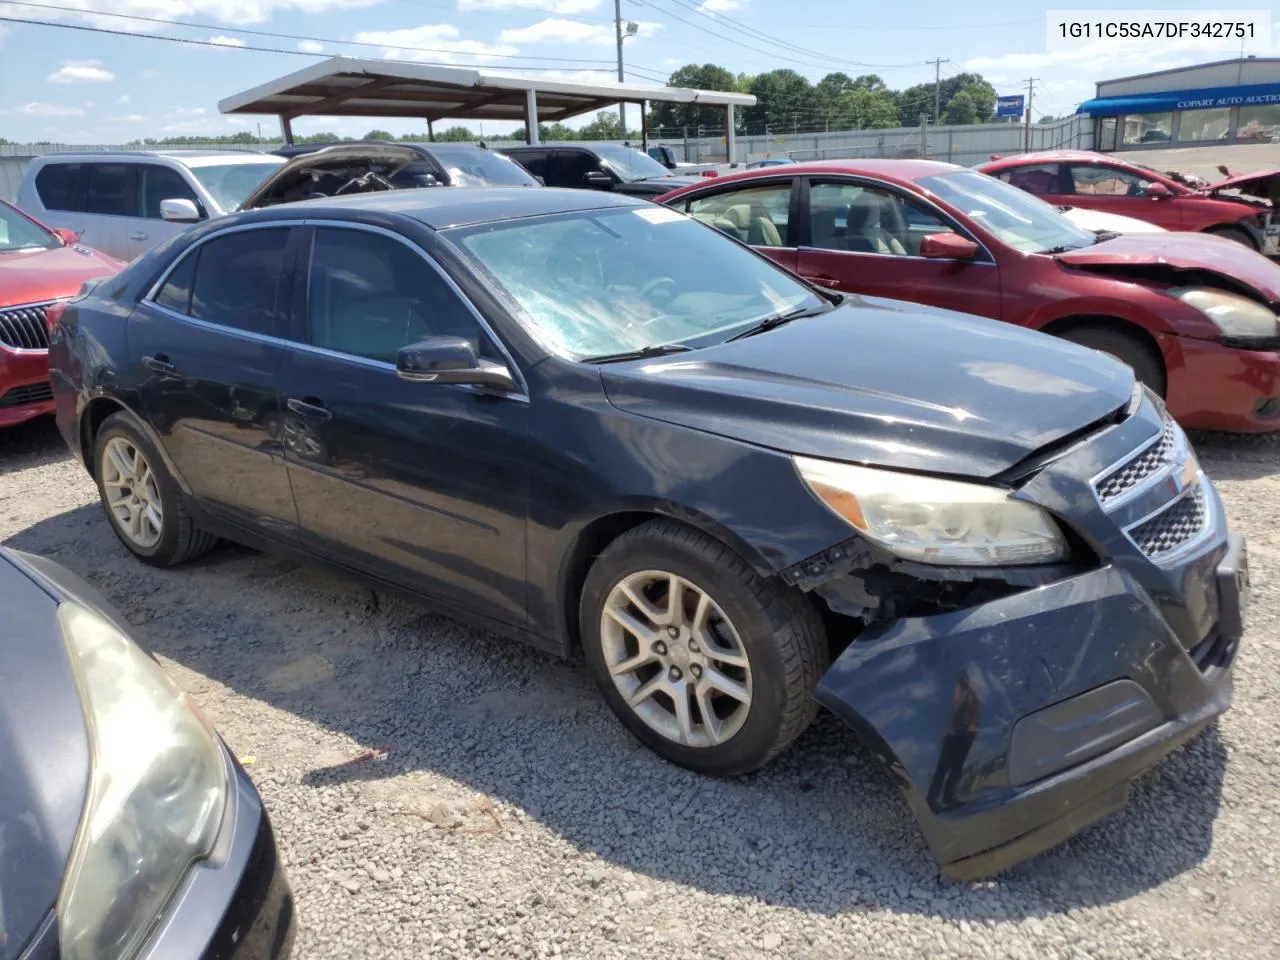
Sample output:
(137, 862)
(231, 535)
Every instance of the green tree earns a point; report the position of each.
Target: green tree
(606, 126)
(869, 110)
(706, 76)
(960, 109)
(785, 101)
(376, 134)
(1050, 118)
(457, 134)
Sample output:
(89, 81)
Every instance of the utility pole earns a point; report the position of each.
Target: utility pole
(1026, 127)
(937, 88)
(617, 25)
(924, 134)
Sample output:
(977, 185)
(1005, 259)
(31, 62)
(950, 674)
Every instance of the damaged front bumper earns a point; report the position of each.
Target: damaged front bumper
(1015, 722)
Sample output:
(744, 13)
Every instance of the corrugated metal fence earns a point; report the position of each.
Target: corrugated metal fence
(967, 146)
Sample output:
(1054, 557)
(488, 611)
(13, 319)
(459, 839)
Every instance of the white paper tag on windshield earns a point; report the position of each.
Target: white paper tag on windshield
(658, 215)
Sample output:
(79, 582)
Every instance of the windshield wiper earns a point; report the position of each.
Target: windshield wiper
(653, 350)
(777, 320)
(1104, 235)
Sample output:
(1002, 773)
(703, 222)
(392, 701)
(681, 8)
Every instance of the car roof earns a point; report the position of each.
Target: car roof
(897, 171)
(182, 156)
(441, 209)
(1051, 156)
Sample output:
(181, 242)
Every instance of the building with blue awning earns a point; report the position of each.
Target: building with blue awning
(1231, 101)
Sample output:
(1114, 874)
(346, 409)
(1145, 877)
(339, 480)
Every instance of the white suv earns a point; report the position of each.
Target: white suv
(124, 203)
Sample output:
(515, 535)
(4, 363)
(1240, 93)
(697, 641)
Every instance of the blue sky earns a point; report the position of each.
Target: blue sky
(72, 86)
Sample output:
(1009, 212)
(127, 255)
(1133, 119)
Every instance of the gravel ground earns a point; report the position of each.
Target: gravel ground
(513, 817)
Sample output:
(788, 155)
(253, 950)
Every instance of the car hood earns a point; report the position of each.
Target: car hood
(34, 276)
(1243, 181)
(884, 383)
(44, 753)
(1174, 253)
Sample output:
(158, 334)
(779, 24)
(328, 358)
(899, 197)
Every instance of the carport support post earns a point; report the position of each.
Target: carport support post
(531, 116)
(286, 129)
(431, 131)
(644, 127)
(730, 135)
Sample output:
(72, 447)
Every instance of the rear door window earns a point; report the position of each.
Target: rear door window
(58, 185)
(111, 189)
(240, 280)
(1038, 178)
(759, 216)
(535, 161)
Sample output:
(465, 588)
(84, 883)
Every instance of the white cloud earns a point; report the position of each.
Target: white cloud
(4, 32)
(310, 46)
(123, 99)
(238, 12)
(722, 6)
(49, 110)
(127, 118)
(226, 41)
(555, 30)
(550, 6)
(182, 113)
(81, 71)
(438, 41)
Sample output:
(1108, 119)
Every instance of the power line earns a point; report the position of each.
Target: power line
(256, 33)
(730, 22)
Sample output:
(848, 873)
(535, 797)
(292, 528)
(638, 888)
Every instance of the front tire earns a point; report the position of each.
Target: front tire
(142, 501)
(708, 664)
(1234, 234)
(1125, 347)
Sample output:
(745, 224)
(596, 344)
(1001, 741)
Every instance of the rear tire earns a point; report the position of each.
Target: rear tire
(1235, 234)
(1125, 347)
(142, 501)
(743, 653)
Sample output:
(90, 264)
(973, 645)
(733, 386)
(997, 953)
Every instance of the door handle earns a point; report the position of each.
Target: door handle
(159, 364)
(825, 281)
(137, 236)
(311, 407)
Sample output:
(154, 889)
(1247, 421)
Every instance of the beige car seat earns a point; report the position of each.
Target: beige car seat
(866, 231)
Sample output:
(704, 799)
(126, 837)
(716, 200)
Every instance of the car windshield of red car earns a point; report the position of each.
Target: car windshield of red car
(20, 233)
(1015, 217)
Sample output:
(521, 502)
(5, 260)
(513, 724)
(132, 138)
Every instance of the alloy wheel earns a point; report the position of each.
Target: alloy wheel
(676, 658)
(131, 492)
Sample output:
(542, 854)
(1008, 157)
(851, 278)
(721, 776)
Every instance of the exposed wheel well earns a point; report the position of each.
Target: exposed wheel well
(1065, 325)
(90, 421)
(1233, 232)
(599, 534)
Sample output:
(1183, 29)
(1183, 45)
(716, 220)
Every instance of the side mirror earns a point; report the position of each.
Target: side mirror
(179, 211)
(1157, 191)
(597, 178)
(947, 246)
(451, 360)
(66, 235)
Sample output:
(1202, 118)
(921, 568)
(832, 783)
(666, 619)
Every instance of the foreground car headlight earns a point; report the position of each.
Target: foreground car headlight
(157, 787)
(935, 521)
(1233, 315)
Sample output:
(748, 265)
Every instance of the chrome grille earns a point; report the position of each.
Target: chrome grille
(29, 393)
(1179, 522)
(24, 327)
(1130, 474)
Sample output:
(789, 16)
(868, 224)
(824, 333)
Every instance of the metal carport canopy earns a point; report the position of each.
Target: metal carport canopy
(349, 87)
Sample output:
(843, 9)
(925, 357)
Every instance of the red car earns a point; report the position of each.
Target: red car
(38, 268)
(1096, 181)
(1193, 315)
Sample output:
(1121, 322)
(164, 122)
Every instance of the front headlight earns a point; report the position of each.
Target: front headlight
(935, 521)
(1233, 315)
(157, 788)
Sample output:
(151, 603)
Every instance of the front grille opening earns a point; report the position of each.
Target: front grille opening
(30, 393)
(1132, 473)
(23, 328)
(1180, 522)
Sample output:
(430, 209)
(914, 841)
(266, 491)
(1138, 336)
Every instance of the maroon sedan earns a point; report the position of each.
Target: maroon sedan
(38, 268)
(1193, 315)
(1235, 208)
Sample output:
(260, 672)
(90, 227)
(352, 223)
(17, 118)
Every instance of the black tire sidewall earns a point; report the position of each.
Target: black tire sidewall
(1125, 348)
(122, 425)
(755, 742)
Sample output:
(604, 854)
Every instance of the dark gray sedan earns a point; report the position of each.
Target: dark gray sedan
(127, 830)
